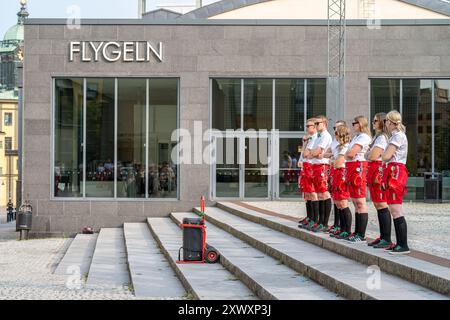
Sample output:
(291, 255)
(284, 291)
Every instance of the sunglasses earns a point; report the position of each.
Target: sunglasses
(375, 121)
(353, 123)
(317, 123)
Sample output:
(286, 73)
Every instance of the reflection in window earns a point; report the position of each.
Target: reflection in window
(101, 125)
(384, 95)
(227, 167)
(258, 104)
(226, 104)
(290, 104)
(162, 171)
(68, 151)
(131, 138)
(442, 135)
(100, 138)
(417, 100)
(317, 97)
(289, 172)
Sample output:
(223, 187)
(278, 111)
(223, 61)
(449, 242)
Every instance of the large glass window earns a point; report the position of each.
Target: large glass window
(265, 104)
(131, 138)
(114, 131)
(384, 95)
(100, 137)
(163, 103)
(442, 132)
(226, 99)
(316, 97)
(290, 104)
(418, 114)
(258, 104)
(68, 156)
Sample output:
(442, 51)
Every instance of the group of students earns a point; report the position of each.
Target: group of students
(341, 168)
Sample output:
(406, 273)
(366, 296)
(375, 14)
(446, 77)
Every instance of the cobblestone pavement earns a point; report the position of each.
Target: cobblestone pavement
(428, 224)
(26, 273)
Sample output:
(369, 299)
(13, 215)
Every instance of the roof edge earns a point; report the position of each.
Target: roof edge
(237, 22)
(219, 7)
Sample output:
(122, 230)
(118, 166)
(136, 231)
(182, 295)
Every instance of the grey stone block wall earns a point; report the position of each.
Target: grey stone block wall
(194, 53)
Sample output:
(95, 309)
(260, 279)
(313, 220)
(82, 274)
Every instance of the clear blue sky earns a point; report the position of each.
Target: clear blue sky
(89, 9)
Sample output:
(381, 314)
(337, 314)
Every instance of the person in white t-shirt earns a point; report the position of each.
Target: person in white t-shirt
(321, 171)
(356, 175)
(339, 189)
(329, 154)
(374, 178)
(306, 178)
(395, 176)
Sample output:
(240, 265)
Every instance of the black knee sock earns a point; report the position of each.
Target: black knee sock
(341, 218)
(384, 217)
(401, 230)
(315, 210)
(363, 219)
(380, 223)
(336, 216)
(321, 211)
(348, 219)
(308, 209)
(357, 222)
(328, 205)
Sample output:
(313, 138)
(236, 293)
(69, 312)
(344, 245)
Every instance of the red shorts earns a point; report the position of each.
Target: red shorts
(320, 177)
(306, 178)
(396, 176)
(356, 178)
(374, 176)
(339, 190)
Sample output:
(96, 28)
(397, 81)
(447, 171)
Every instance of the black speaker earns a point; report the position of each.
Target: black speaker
(192, 240)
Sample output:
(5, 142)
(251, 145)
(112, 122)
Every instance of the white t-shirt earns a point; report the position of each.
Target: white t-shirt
(399, 140)
(334, 143)
(380, 142)
(309, 146)
(323, 142)
(363, 140)
(338, 151)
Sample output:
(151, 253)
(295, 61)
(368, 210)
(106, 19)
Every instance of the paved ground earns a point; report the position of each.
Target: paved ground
(428, 224)
(26, 270)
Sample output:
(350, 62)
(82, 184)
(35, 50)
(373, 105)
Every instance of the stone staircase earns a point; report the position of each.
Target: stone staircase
(261, 257)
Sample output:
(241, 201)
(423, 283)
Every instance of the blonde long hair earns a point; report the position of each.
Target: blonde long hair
(342, 134)
(396, 118)
(381, 116)
(363, 125)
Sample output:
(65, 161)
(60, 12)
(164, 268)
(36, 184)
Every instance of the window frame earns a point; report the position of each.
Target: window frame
(52, 144)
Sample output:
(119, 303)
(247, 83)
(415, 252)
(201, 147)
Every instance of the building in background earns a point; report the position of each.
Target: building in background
(10, 54)
(98, 127)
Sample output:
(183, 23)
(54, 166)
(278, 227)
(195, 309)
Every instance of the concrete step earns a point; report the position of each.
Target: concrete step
(339, 274)
(203, 281)
(151, 274)
(266, 277)
(433, 276)
(78, 255)
(109, 269)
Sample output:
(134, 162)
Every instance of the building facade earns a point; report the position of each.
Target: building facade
(103, 103)
(10, 55)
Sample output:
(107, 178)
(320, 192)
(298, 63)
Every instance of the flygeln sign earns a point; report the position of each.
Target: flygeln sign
(112, 51)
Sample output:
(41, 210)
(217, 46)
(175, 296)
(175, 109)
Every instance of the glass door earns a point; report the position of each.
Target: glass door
(241, 167)
(255, 169)
(288, 151)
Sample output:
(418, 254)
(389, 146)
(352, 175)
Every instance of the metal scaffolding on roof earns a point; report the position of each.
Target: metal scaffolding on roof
(336, 59)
